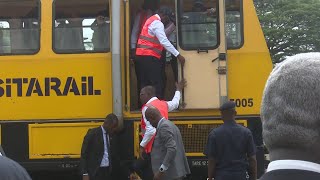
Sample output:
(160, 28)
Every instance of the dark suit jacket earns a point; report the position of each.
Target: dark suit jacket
(92, 153)
(291, 174)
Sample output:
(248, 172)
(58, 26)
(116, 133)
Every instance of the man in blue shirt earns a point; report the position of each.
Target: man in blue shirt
(230, 149)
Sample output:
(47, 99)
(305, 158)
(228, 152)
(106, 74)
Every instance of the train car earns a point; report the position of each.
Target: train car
(62, 72)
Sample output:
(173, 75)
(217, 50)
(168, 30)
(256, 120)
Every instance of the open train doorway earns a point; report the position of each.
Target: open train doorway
(200, 36)
(138, 11)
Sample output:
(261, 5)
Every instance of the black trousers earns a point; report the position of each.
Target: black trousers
(149, 73)
(103, 173)
(143, 167)
(231, 176)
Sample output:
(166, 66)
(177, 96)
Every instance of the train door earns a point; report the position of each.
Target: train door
(201, 40)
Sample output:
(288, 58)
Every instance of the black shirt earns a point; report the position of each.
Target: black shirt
(230, 145)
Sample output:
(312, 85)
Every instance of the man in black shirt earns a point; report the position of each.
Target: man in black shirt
(230, 149)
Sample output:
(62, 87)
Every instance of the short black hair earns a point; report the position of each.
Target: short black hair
(111, 119)
(151, 90)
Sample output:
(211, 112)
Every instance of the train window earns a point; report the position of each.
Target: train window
(234, 25)
(19, 27)
(81, 26)
(198, 24)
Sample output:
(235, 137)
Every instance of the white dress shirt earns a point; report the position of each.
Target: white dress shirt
(105, 159)
(150, 130)
(293, 164)
(136, 28)
(156, 28)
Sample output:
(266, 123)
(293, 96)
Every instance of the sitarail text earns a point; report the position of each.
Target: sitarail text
(48, 86)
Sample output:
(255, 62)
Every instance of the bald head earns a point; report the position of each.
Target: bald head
(153, 115)
(290, 109)
(147, 93)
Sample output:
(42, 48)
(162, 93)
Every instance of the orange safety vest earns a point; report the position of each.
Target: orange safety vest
(148, 45)
(162, 106)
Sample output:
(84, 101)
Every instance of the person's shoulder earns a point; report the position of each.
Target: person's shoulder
(245, 129)
(11, 169)
(94, 130)
(214, 131)
(167, 122)
(218, 129)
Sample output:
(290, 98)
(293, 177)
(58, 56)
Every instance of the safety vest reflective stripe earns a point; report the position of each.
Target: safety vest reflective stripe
(149, 39)
(162, 106)
(149, 47)
(147, 44)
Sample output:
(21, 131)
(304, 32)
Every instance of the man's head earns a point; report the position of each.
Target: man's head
(147, 93)
(110, 124)
(198, 6)
(290, 109)
(153, 115)
(153, 5)
(165, 13)
(228, 111)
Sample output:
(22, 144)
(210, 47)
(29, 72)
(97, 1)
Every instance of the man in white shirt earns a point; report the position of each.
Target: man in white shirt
(291, 119)
(149, 48)
(148, 9)
(147, 97)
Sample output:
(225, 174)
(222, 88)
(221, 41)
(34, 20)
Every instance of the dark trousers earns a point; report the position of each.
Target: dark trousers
(163, 60)
(148, 71)
(103, 173)
(231, 176)
(143, 167)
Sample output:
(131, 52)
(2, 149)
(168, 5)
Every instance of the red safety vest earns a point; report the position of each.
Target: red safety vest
(162, 106)
(148, 45)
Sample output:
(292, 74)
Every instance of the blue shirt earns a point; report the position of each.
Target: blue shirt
(230, 145)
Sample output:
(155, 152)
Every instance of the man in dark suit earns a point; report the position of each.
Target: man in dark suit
(290, 114)
(168, 158)
(230, 149)
(99, 158)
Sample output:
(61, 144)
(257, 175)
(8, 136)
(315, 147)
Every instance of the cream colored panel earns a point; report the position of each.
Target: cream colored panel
(202, 91)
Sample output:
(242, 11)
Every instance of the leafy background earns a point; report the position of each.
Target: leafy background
(290, 26)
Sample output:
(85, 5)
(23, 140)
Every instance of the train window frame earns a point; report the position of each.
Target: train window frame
(241, 28)
(37, 50)
(58, 51)
(180, 11)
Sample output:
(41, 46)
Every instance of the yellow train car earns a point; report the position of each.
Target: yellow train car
(63, 71)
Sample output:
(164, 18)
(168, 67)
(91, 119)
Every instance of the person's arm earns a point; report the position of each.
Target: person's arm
(149, 133)
(94, 25)
(166, 135)
(84, 154)
(253, 167)
(157, 28)
(174, 103)
(210, 152)
(251, 153)
(135, 30)
(211, 168)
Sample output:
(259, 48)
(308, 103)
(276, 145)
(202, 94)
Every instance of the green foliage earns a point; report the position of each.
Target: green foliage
(290, 26)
